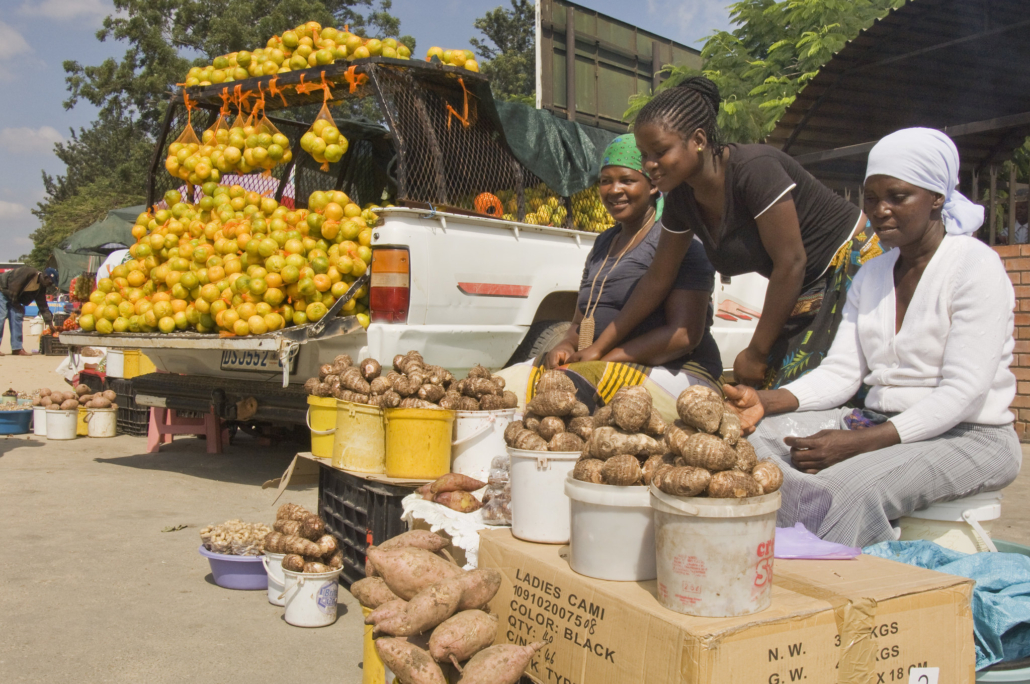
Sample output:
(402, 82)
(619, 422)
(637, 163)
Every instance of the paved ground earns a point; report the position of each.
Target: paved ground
(94, 591)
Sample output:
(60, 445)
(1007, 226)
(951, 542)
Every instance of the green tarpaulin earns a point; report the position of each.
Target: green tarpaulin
(86, 249)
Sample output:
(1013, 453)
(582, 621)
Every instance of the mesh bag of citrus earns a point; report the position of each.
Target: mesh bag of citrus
(323, 141)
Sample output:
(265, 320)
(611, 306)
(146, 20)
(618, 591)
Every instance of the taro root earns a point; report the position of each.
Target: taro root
(708, 452)
(656, 426)
(606, 442)
(701, 407)
(746, 456)
(768, 476)
(324, 370)
(579, 410)
(509, 399)
(390, 399)
(682, 480)
(581, 426)
(631, 408)
(293, 562)
(343, 361)
(621, 471)
(314, 567)
(468, 404)
(415, 402)
(380, 385)
(512, 430)
(531, 421)
(552, 403)
(491, 402)
(729, 427)
(565, 441)
(652, 464)
(479, 387)
(550, 426)
(529, 441)
(352, 380)
(555, 381)
(432, 393)
(589, 470)
(478, 371)
(82, 389)
(676, 436)
(733, 484)
(603, 416)
(311, 384)
(370, 369)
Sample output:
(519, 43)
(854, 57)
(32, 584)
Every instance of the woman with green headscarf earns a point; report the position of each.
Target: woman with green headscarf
(672, 347)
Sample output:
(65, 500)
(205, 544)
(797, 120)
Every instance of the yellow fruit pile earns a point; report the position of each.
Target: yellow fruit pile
(465, 59)
(308, 45)
(588, 212)
(324, 142)
(544, 207)
(240, 149)
(236, 262)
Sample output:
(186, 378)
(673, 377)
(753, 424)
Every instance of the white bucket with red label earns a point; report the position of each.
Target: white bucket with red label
(714, 556)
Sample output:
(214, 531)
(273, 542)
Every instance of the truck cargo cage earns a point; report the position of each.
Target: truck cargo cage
(420, 134)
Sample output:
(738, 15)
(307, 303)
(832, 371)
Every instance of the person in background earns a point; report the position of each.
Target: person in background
(928, 327)
(18, 287)
(757, 211)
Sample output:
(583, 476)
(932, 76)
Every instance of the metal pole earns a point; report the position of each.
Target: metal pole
(656, 65)
(570, 62)
(1012, 203)
(993, 207)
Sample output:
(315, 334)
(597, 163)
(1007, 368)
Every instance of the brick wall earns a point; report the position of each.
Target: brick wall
(1017, 262)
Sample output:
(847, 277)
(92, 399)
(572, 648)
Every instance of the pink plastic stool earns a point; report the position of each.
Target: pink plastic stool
(165, 422)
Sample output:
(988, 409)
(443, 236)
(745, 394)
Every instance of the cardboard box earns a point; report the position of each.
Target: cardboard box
(865, 621)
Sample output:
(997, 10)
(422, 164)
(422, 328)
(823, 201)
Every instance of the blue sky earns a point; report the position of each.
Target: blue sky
(36, 36)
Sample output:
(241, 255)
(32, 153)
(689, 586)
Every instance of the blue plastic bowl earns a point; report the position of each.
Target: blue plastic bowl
(1012, 673)
(15, 422)
(237, 572)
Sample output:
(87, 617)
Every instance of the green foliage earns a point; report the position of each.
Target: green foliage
(776, 49)
(511, 62)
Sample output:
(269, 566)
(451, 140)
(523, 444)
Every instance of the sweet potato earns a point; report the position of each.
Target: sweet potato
(631, 408)
(701, 407)
(386, 611)
(462, 635)
(411, 664)
(315, 567)
(425, 610)
(565, 442)
(733, 484)
(552, 403)
(293, 562)
(555, 381)
(300, 546)
(478, 587)
(589, 470)
(708, 452)
(621, 471)
(463, 502)
(327, 543)
(768, 476)
(681, 481)
(746, 456)
(512, 430)
(372, 592)
(550, 426)
(416, 539)
(408, 571)
(502, 664)
(455, 482)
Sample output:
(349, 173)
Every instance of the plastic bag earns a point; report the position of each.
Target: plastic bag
(323, 141)
(497, 497)
(797, 542)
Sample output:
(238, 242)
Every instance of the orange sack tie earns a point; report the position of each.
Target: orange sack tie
(464, 117)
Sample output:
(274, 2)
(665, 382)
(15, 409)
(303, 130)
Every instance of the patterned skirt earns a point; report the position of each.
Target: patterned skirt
(813, 323)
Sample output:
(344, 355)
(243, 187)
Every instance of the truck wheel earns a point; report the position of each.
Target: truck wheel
(541, 337)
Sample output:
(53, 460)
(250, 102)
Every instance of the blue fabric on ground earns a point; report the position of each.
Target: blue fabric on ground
(1001, 598)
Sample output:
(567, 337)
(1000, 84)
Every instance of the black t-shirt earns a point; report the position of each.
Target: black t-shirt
(758, 177)
(695, 273)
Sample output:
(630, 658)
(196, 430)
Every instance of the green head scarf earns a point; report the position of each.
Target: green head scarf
(623, 151)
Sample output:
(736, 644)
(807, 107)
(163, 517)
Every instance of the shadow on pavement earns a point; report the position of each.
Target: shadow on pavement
(245, 462)
(13, 442)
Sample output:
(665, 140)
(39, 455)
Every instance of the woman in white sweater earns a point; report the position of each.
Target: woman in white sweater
(928, 327)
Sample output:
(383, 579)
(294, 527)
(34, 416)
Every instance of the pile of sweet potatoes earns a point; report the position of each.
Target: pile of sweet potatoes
(71, 400)
(301, 535)
(454, 491)
(428, 614)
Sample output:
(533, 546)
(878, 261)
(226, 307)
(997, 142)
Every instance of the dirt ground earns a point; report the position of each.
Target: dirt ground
(96, 591)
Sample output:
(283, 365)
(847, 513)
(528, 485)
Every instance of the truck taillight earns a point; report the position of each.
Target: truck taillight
(389, 286)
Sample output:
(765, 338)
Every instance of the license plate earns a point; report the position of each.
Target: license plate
(259, 361)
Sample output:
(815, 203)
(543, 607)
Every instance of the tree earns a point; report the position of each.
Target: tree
(511, 62)
(107, 162)
(776, 49)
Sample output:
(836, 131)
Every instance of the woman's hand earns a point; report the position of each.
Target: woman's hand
(591, 353)
(746, 404)
(749, 368)
(824, 449)
(559, 356)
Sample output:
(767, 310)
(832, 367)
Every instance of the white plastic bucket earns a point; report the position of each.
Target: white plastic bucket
(612, 531)
(102, 422)
(36, 326)
(273, 563)
(478, 438)
(39, 421)
(61, 424)
(115, 363)
(310, 598)
(962, 525)
(539, 506)
(715, 556)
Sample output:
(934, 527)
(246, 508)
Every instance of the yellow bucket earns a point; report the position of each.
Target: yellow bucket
(418, 443)
(322, 423)
(360, 441)
(372, 669)
(82, 427)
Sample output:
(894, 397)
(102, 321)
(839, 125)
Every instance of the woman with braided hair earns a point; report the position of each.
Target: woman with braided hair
(756, 210)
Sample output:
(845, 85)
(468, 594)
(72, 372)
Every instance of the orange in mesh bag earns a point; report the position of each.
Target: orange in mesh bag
(323, 141)
(182, 157)
(264, 146)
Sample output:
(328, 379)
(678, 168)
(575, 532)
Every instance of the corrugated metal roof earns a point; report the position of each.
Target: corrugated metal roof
(958, 65)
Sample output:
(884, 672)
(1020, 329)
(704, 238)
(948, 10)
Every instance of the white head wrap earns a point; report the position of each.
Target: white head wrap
(929, 159)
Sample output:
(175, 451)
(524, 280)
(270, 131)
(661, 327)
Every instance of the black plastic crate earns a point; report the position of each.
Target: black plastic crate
(93, 381)
(51, 346)
(132, 419)
(359, 513)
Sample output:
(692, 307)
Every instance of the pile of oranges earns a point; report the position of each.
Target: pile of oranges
(236, 263)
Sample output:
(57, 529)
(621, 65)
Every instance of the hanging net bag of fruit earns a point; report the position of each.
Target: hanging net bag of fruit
(216, 140)
(271, 148)
(323, 140)
(183, 156)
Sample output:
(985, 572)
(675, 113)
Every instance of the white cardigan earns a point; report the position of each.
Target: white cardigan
(949, 364)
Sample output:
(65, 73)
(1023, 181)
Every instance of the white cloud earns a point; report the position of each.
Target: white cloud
(10, 210)
(66, 9)
(27, 140)
(12, 44)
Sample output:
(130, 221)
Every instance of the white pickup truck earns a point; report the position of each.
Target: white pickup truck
(462, 290)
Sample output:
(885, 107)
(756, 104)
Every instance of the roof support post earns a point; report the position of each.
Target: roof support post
(993, 207)
(570, 62)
